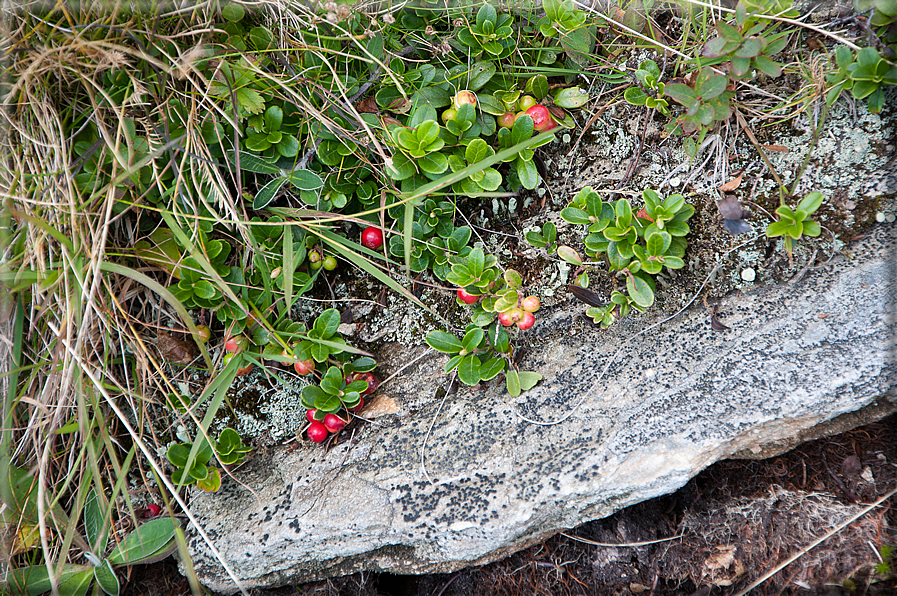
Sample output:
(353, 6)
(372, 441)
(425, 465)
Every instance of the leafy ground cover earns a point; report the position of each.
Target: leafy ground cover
(196, 194)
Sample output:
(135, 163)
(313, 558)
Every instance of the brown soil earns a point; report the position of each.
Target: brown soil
(734, 522)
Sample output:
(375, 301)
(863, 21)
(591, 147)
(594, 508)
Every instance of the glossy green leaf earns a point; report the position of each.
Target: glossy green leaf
(569, 255)
(811, 202)
(267, 193)
(469, 370)
(571, 97)
(443, 342)
(472, 339)
(639, 290)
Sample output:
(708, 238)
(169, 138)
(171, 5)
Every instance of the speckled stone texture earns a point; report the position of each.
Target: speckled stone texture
(671, 403)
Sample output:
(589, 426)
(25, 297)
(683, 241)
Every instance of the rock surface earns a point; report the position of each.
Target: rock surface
(670, 403)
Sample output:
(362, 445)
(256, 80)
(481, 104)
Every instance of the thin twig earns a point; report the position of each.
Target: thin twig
(623, 544)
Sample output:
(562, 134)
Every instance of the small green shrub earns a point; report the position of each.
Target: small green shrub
(651, 91)
(865, 77)
(634, 246)
(794, 224)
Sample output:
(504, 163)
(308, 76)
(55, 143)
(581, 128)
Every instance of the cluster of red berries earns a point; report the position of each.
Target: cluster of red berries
(522, 315)
(543, 119)
(319, 430)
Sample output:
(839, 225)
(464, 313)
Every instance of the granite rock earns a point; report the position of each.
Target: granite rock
(642, 415)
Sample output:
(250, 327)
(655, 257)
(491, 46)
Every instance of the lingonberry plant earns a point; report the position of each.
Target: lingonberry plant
(632, 247)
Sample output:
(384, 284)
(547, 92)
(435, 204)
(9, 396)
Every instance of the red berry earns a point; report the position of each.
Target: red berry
(235, 343)
(305, 367)
(467, 298)
(205, 334)
(530, 304)
(507, 318)
(372, 238)
(358, 407)
(542, 119)
(526, 320)
(507, 119)
(463, 97)
(334, 423)
(153, 510)
(317, 432)
(372, 381)
(242, 372)
(310, 415)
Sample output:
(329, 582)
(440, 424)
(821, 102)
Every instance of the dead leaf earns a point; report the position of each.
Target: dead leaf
(722, 559)
(851, 466)
(732, 184)
(399, 105)
(557, 112)
(368, 105)
(730, 207)
(587, 296)
(716, 324)
(734, 215)
(174, 349)
(381, 405)
(776, 148)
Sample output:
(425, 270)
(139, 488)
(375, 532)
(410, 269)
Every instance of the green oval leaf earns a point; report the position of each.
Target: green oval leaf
(639, 290)
(106, 578)
(443, 342)
(469, 370)
(571, 97)
(569, 255)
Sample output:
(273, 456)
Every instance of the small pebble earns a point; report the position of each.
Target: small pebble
(890, 217)
(748, 274)
(879, 217)
(566, 138)
(675, 181)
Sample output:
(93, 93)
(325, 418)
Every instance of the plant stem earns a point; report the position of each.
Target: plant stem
(817, 131)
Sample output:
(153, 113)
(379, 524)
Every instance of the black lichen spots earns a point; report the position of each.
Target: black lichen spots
(264, 538)
(294, 524)
(467, 500)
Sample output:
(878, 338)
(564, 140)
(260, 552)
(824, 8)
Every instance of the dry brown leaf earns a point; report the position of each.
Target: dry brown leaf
(174, 349)
(721, 560)
(776, 148)
(381, 405)
(368, 105)
(732, 184)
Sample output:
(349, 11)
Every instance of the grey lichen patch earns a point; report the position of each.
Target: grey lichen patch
(266, 407)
